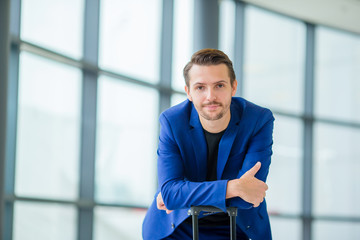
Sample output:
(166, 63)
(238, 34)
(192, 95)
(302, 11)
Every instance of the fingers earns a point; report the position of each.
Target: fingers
(258, 203)
(161, 205)
(254, 169)
(159, 202)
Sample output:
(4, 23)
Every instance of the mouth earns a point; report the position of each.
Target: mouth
(212, 106)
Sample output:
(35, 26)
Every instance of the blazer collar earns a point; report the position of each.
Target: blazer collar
(199, 144)
(228, 138)
(199, 141)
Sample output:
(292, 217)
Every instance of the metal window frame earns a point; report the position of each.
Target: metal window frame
(12, 11)
(88, 120)
(308, 136)
(206, 24)
(166, 54)
(239, 47)
(4, 60)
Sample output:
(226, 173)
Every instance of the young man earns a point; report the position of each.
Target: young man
(214, 149)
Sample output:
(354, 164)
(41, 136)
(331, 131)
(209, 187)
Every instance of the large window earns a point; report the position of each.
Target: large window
(130, 38)
(285, 198)
(118, 223)
(274, 61)
(273, 77)
(183, 40)
(56, 25)
(88, 80)
(337, 75)
(48, 133)
(44, 221)
(336, 135)
(336, 164)
(315, 160)
(72, 91)
(126, 148)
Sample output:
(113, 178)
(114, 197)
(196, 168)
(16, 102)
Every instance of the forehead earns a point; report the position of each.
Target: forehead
(208, 74)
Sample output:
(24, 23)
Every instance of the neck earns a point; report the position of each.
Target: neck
(215, 126)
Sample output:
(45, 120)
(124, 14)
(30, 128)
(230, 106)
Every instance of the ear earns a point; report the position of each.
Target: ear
(234, 88)
(187, 90)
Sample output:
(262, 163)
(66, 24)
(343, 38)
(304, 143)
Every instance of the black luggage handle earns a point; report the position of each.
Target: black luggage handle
(194, 211)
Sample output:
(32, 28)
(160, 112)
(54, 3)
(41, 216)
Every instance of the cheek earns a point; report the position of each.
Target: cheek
(225, 96)
(196, 97)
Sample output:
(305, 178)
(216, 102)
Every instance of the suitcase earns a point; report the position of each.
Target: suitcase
(196, 210)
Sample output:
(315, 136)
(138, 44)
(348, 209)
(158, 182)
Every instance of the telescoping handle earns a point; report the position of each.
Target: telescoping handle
(194, 211)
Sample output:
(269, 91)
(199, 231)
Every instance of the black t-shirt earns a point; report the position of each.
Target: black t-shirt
(212, 141)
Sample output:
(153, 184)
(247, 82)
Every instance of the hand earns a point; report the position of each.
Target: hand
(160, 204)
(248, 187)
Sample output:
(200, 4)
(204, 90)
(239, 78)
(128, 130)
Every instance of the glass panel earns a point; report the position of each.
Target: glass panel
(227, 27)
(118, 223)
(285, 197)
(183, 40)
(285, 229)
(130, 38)
(43, 221)
(48, 129)
(177, 98)
(274, 59)
(337, 75)
(56, 24)
(336, 230)
(126, 142)
(336, 170)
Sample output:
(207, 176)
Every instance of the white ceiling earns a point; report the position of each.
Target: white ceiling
(342, 14)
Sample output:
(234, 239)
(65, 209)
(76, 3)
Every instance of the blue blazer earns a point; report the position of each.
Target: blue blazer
(182, 160)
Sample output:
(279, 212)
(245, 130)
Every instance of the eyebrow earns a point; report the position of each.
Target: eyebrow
(201, 83)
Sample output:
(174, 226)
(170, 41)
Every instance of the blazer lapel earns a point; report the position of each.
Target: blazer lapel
(227, 140)
(199, 144)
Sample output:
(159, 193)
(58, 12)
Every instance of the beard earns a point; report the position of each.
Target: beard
(211, 117)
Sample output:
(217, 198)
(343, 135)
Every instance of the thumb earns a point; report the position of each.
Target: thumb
(254, 169)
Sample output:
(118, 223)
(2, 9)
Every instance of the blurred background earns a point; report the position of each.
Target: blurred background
(82, 84)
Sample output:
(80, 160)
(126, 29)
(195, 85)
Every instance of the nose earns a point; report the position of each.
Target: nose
(211, 95)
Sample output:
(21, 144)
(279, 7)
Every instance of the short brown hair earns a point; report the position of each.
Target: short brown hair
(207, 57)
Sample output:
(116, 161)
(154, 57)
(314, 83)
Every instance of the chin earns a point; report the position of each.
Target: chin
(213, 117)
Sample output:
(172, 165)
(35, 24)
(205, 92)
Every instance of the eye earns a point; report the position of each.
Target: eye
(199, 88)
(220, 85)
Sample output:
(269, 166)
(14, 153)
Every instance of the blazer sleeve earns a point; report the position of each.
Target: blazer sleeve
(259, 150)
(176, 190)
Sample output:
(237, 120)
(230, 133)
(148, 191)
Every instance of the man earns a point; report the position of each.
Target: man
(214, 149)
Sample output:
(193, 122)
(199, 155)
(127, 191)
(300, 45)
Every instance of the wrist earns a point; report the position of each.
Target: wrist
(231, 189)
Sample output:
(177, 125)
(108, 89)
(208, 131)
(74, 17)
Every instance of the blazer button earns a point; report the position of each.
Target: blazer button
(172, 225)
(247, 227)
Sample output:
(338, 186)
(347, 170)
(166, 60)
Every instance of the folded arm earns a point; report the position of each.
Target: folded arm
(259, 150)
(247, 191)
(178, 192)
